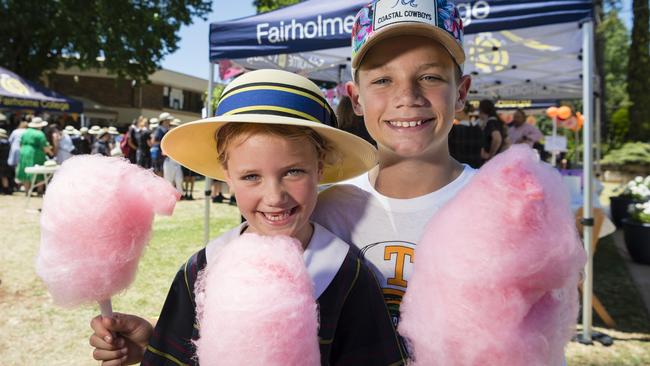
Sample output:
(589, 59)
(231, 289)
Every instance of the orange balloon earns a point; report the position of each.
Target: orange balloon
(580, 119)
(564, 112)
(551, 112)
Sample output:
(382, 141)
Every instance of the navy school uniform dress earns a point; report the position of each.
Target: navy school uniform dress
(355, 328)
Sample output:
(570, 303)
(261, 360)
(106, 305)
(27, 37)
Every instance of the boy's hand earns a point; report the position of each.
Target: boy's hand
(120, 340)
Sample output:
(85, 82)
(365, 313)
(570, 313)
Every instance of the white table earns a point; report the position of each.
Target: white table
(46, 171)
(574, 186)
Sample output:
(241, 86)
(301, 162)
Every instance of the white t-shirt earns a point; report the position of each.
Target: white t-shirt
(384, 229)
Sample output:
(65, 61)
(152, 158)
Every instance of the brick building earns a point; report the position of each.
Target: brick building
(109, 101)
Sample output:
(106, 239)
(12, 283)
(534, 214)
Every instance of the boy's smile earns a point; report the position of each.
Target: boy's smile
(275, 180)
(408, 94)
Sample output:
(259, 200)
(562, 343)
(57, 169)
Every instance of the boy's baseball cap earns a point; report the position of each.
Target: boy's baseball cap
(382, 19)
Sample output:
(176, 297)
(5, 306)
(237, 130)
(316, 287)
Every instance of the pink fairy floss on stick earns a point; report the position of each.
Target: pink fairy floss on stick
(496, 273)
(255, 305)
(96, 220)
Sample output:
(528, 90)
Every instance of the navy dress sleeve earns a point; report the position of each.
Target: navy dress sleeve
(171, 342)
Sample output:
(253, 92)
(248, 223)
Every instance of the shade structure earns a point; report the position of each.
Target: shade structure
(19, 93)
(536, 50)
(515, 49)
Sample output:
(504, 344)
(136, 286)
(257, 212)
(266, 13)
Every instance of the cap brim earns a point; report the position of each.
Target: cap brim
(194, 146)
(416, 29)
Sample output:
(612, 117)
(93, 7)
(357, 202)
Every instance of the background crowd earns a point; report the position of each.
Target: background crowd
(478, 134)
(39, 142)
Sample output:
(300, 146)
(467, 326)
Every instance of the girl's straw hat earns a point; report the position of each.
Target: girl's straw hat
(269, 97)
(37, 122)
(95, 130)
(70, 130)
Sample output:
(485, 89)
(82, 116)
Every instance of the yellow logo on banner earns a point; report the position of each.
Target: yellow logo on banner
(13, 85)
(487, 55)
(529, 42)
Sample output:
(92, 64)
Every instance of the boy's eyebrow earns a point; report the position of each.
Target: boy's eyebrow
(384, 67)
(430, 64)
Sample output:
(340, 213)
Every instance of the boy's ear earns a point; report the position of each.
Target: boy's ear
(353, 92)
(463, 90)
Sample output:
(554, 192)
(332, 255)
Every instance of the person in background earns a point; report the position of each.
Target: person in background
(350, 122)
(466, 138)
(143, 138)
(157, 135)
(33, 150)
(521, 132)
(5, 168)
(132, 140)
(102, 144)
(494, 129)
(172, 171)
(14, 152)
(189, 178)
(65, 145)
(84, 142)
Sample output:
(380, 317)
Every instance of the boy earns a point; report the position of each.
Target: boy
(408, 84)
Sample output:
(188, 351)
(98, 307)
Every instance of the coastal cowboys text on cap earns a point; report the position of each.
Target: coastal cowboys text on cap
(381, 19)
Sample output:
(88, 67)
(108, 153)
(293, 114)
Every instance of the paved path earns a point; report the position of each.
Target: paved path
(640, 272)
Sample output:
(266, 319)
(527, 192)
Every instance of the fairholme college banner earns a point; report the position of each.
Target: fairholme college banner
(18, 93)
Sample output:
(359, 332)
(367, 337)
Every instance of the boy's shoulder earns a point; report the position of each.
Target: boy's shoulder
(359, 192)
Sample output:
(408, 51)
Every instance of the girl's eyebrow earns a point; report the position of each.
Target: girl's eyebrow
(247, 171)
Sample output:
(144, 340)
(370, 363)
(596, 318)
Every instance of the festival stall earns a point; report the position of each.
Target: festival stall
(516, 50)
(17, 93)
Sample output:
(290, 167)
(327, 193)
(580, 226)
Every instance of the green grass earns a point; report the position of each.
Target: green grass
(34, 331)
(615, 289)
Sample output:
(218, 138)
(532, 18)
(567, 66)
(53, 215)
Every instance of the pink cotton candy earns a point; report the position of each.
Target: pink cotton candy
(255, 305)
(496, 273)
(96, 219)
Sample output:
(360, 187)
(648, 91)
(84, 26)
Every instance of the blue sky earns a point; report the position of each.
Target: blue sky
(192, 55)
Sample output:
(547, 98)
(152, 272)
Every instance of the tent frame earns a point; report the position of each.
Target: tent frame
(588, 173)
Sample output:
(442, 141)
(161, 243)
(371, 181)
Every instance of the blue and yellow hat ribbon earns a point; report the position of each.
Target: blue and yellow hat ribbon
(276, 99)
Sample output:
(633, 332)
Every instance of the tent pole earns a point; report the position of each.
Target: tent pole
(208, 181)
(597, 137)
(587, 170)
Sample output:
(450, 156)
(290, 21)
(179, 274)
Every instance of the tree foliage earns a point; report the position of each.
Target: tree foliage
(638, 75)
(267, 5)
(129, 38)
(630, 153)
(615, 59)
(216, 94)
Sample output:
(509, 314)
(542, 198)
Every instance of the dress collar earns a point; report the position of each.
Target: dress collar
(323, 256)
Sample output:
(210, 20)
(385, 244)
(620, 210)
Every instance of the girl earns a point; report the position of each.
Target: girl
(274, 145)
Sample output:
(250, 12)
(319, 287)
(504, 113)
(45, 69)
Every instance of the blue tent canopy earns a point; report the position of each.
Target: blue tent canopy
(18, 93)
(515, 49)
(317, 25)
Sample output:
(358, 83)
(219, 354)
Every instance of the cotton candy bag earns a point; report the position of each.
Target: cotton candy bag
(255, 305)
(96, 219)
(496, 272)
